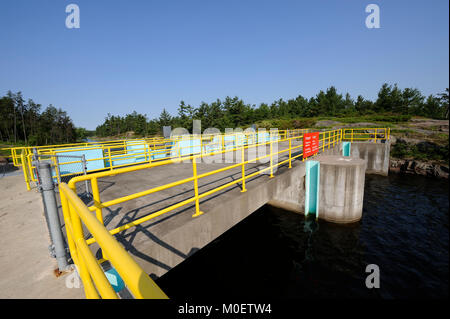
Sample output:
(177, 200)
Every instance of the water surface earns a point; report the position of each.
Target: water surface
(275, 253)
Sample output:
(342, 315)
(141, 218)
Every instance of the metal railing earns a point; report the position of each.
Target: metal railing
(366, 134)
(95, 283)
(132, 152)
(75, 211)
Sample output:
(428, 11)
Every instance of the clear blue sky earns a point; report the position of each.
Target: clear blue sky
(146, 55)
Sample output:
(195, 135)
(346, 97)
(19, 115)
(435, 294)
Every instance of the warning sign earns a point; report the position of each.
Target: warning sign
(310, 144)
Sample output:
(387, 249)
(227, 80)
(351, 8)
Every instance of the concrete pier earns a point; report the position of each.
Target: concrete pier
(376, 155)
(341, 188)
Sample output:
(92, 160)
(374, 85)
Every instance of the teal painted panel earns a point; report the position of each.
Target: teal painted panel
(346, 148)
(136, 147)
(114, 279)
(312, 188)
(186, 147)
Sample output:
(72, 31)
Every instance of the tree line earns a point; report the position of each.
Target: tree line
(24, 122)
(234, 112)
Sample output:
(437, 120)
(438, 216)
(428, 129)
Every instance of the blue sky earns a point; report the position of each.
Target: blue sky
(146, 55)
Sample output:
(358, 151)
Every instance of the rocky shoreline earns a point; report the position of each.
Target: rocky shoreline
(416, 167)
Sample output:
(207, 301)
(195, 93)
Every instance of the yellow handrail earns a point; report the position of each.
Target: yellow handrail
(93, 277)
(75, 211)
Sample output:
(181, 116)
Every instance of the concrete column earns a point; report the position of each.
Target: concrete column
(375, 154)
(341, 188)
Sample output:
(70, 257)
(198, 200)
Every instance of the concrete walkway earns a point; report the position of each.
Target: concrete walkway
(26, 268)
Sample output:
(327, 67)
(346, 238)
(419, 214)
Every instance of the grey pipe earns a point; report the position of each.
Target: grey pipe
(53, 222)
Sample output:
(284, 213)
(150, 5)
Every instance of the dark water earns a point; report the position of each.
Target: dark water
(274, 253)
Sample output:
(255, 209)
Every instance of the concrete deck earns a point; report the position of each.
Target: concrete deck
(157, 245)
(163, 242)
(27, 270)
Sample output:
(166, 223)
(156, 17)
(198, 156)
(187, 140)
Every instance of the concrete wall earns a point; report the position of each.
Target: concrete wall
(375, 154)
(181, 235)
(174, 237)
(341, 189)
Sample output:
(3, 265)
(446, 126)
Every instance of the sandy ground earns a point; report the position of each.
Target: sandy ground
(26, 268)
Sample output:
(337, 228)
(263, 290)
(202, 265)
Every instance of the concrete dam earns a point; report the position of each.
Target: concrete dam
(138, 220)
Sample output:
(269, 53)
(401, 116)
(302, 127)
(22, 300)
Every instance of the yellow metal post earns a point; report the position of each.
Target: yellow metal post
(110, 160)
(197, 204)
(271, 157)
(323, 142)
(25, 170)
(97, 203)
(243, 169)
(290, 153)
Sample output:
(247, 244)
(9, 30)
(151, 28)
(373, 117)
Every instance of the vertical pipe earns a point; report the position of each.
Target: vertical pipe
(48, 195)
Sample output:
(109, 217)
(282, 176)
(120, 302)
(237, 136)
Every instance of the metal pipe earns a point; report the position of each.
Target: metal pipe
(49, 198)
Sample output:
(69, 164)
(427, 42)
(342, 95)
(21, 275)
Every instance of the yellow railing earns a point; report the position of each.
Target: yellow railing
(115, 154)
(327, 140)
(15, 152)
(143, 151)
(289, 148)
(94, 280)
(365, 134)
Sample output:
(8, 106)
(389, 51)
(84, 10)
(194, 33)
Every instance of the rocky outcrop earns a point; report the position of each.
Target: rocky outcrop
(418, 167)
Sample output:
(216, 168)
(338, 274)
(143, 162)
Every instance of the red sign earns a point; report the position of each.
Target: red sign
(310, 144)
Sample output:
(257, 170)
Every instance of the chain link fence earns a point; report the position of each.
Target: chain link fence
(64, 168)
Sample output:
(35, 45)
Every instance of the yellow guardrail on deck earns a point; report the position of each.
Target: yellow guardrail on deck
(112, 152)
(115, 152)
(76, 213)
(74, 210)
(366, 134)
(94, 280)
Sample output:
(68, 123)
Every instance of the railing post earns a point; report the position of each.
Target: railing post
(48, 195)
(323, 143)
(351, 139)
(243, 168)
(96, 197)
(67, 224)
(375, 135)
(25, 170)
(110, 160)
(290, 153)
(271, 155)
(197, 204)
